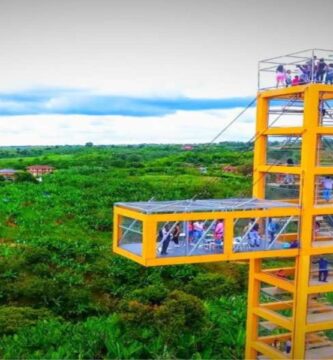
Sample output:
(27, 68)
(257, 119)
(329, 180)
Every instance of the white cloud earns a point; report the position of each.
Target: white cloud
(181, 127)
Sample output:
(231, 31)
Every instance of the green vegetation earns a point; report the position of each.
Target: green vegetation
(63, 294)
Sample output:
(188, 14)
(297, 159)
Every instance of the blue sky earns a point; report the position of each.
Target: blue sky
(111, 71)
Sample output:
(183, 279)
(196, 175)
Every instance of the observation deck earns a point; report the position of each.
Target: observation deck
(290, 308)
(208, 230)
(302, 64)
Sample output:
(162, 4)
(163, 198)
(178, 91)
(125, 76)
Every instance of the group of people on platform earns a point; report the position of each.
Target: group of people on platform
(197, 232)
(314, 70)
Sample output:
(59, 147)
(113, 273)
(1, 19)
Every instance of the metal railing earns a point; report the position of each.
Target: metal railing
(307, 66)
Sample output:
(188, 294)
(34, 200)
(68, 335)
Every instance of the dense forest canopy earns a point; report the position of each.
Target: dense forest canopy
(63, 294)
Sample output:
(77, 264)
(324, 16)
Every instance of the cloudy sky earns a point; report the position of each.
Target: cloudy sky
(133, 71)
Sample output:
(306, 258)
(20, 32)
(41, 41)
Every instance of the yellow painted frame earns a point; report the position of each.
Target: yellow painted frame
(297, 326)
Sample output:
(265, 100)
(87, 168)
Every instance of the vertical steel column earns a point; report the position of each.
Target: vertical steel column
(260, 147)
(308, 165)
(252, 324)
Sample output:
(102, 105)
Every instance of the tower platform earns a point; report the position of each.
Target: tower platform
(205, 230)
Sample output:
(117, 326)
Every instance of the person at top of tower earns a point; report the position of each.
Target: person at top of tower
(288, 78)
(321, 70)
(312, 61)
(295, 81)
(304, 73)
(280, 76)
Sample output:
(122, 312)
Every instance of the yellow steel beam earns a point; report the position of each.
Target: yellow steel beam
(274, 317)
(284, 93)
(321, 210)
(276, 281)
(123, 211)
(324, 170)
(149, 239)
(252, 324)
(278, 305)
(270, 338)
(316, 289)
(308, 165)
(260, 147)
(320, 326)
(280, 169)
(269, 351)
(291, 91)
(325, 130)
(228, 237)
(285, 131)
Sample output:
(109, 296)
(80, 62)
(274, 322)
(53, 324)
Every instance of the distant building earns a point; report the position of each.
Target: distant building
(39, 170)
(8, 174)
(187, 147)
(230, 169)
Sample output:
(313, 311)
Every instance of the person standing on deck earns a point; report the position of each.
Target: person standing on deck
(280, 76)
(272, 228)
(323, 268)
(254, 237)
(175, 235)
(219, 232)
(166, 237)
(198, 229)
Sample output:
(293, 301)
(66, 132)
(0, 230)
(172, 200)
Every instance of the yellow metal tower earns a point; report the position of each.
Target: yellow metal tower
(287, 316)
(303, 324)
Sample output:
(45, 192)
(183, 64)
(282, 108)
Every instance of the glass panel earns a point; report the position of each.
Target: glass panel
(323, 231)
(279, 338)
(321, 269)
(319, 345)
(265, 234)
(323, 190)
(326, 112)
(284, 150)
(286, 112)
(130, 235)
(283, 268)
(320, 307)
(282, 186)
(325, 151)
(190, 238)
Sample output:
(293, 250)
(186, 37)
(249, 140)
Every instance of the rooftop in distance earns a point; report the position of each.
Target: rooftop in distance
(302, 67)
(183, 206)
